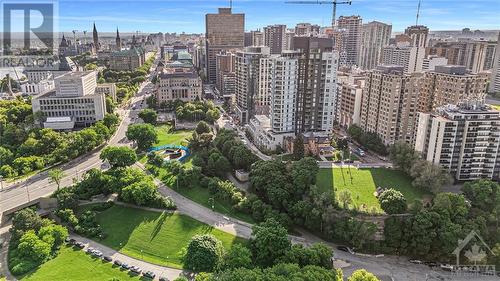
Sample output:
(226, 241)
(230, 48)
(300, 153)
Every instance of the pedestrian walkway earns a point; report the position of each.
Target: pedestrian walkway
(4, 249)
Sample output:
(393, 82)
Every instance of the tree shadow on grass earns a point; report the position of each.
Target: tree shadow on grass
(159, 224)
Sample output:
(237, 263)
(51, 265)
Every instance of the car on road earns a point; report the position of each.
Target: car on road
(107, 258)
(135, 269)
(416, 261)
(446, 267)
(359, 152)
(125, 266)
(117, 263)
(345, 249)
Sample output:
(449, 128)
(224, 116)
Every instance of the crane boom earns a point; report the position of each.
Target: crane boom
(334, 3)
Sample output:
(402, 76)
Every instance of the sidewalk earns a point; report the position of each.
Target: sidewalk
(4, 249)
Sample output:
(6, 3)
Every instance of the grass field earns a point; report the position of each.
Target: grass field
(496, 106)
(167, 136)
(365, 182)
(201, 196)
(75, 265)
(160, 238)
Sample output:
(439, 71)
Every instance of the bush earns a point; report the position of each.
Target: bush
(392, 202)
(204, 253)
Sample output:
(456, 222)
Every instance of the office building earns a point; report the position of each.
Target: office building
(73, 102)
(274, 37)
(463, 139)
(247, 64)
(495, 72)
(374, 36)
(224, 31)
(178, 84)
(410, 58)
(317, 83)
(429, 63)
(351, 27)
(107, 89)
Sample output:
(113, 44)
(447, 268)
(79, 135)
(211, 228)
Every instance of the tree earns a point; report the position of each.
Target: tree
(204, 253)
(56, 175)
(345, 197)
(7, 171)
(298, 148)
(392, 202)
(119, 156)
(342, 143)
(111, 120)
(139, 193)
(270, 242)
(237, 257)
(403, 156)
(202, 128)
(144, 135)
(318, 254)
(54, 233)
(362, 275)
(483, 194)
(110, 105)
(155, 159)
(6, 156)
(32, 247)
(148, 116)
(427, 176)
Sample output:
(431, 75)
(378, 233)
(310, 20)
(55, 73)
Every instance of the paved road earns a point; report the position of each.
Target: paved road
(160, 271)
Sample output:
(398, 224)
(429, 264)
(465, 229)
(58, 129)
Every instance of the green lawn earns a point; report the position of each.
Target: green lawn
(364, 183)
(75, 265)
(159, 238)
(495, 106)
(167, 136)
(201, 196)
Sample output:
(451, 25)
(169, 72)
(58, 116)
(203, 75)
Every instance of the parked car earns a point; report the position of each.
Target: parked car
(162, 278)
(125, 266)
(431, 263)
(107, 258)
(135, 269)
(72, 241)
(415, 261)
(80, 245)
(90, 250)
(345, 249)
(117, 263)
(446, 267)
(97, 253)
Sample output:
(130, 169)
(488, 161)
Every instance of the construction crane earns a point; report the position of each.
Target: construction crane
(334, 3)
(418, 12)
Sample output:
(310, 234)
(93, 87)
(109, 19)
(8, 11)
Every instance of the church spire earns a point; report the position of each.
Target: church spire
(95, 36)
(118, 40)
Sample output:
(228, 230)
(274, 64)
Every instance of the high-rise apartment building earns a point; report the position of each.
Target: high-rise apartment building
(479, 55)
(274, 37)
(464, 140)
(418, 35)
(287, 43)
(307, 29)
(317, 84)
(278, 79)
(226, 77)
(410, 58)
(224, 31)
(351, 27)
(430, 62)
(495, 72)
(374, 36)
(349, 95)
(388, 102)
(453, 51)
(247, 64)
(449, 84)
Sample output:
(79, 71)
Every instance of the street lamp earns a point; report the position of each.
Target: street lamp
(211, 200)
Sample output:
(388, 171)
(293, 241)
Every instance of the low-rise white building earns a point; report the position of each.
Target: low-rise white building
(262, 134)
(429, 63)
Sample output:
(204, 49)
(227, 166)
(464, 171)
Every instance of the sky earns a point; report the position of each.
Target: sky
(188, 15)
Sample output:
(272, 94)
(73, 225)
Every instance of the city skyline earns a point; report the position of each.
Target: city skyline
(188, 16)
